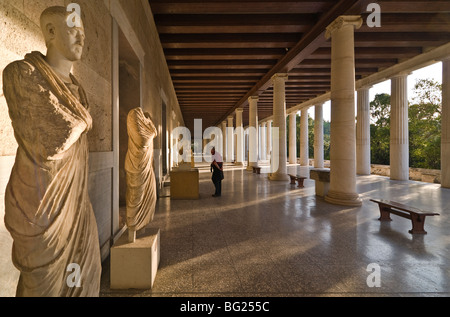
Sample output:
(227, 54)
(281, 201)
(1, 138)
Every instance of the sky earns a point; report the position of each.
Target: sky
(430, 72)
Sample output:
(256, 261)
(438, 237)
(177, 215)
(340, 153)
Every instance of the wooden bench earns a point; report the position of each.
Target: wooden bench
(416, 215)
(297, 178)
(256, 169)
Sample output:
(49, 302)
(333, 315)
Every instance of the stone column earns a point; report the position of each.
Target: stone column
(304, 142)
(253, 132)
(445, 139)
(269, 139)
(343, 135)
(318, 136)
(399, 147)
(240, 137)
(230, 139)
(224, 140)
(363, 132)
(279, 121)
(293, 138)
(263, 134)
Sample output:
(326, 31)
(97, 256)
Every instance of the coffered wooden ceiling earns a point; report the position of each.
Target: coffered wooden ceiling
(220, 53)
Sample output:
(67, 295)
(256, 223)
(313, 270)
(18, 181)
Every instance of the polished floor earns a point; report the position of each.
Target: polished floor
(272, 239)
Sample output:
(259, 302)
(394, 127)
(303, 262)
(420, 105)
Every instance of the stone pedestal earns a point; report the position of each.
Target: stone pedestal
(322, 179)
(134, 265)
(184, 183)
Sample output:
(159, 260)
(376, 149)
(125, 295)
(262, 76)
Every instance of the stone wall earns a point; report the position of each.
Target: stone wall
(20, 33)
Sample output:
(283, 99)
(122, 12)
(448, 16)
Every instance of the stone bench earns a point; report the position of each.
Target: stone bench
(322, 179)
(297, 178)
(416, 215)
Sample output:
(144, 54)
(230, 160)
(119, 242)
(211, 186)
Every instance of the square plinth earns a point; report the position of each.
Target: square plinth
(134, 265)
(322, 179)
(184, 184)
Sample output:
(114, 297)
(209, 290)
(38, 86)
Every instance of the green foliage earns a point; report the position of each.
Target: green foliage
(380, 109)
(424, 126)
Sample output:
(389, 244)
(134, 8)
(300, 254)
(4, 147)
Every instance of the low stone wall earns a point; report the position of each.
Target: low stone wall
(415, 174)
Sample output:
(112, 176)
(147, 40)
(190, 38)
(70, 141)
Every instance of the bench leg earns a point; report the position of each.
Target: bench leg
(418, 223)
(385, 213)
(292, 180)
(258, 171)
(300, 183)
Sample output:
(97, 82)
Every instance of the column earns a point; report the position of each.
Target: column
(343, 129)
(263, 143)
(318, 136)
(240, 137)
(279, 121)
(230, 139)
(399, 143)
(304, 141)
(445, 124)
(224, 141)
(269, 139)
(363, 132)
(293, 138)
(253, 132)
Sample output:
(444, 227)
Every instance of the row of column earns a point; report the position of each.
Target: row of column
(350, 142)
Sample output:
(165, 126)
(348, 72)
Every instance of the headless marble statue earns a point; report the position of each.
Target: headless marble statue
(47, 206)
(141, 182)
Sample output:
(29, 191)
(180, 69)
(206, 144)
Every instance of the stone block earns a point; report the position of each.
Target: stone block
(134, 265)
(322, 179)
(184, 183)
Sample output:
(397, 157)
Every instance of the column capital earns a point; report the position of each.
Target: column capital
(253, 98)
(239, 110)
(367, 87)
(283, 76)
(402, 74)
(341, 21)
(224, 123)
(230, 118)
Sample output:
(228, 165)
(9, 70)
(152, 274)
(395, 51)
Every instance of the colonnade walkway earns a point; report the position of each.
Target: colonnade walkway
(267, 238)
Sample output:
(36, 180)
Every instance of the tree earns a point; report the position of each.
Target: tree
(380, 109)
(425, 125)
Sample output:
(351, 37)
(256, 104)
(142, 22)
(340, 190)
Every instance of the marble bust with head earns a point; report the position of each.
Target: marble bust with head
(47, 207)
(64, 42)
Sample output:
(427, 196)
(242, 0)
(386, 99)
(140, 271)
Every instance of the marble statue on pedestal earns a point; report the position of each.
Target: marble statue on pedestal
(47, 206)
(141, 183)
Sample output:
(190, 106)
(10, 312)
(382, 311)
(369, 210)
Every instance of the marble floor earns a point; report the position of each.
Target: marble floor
(272, 239)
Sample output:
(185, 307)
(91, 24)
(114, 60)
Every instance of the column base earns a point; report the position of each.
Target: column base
(238, 164)
(344, 199)
(279, 177)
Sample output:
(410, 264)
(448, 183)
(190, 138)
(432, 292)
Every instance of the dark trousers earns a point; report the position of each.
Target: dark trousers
(218, 186)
